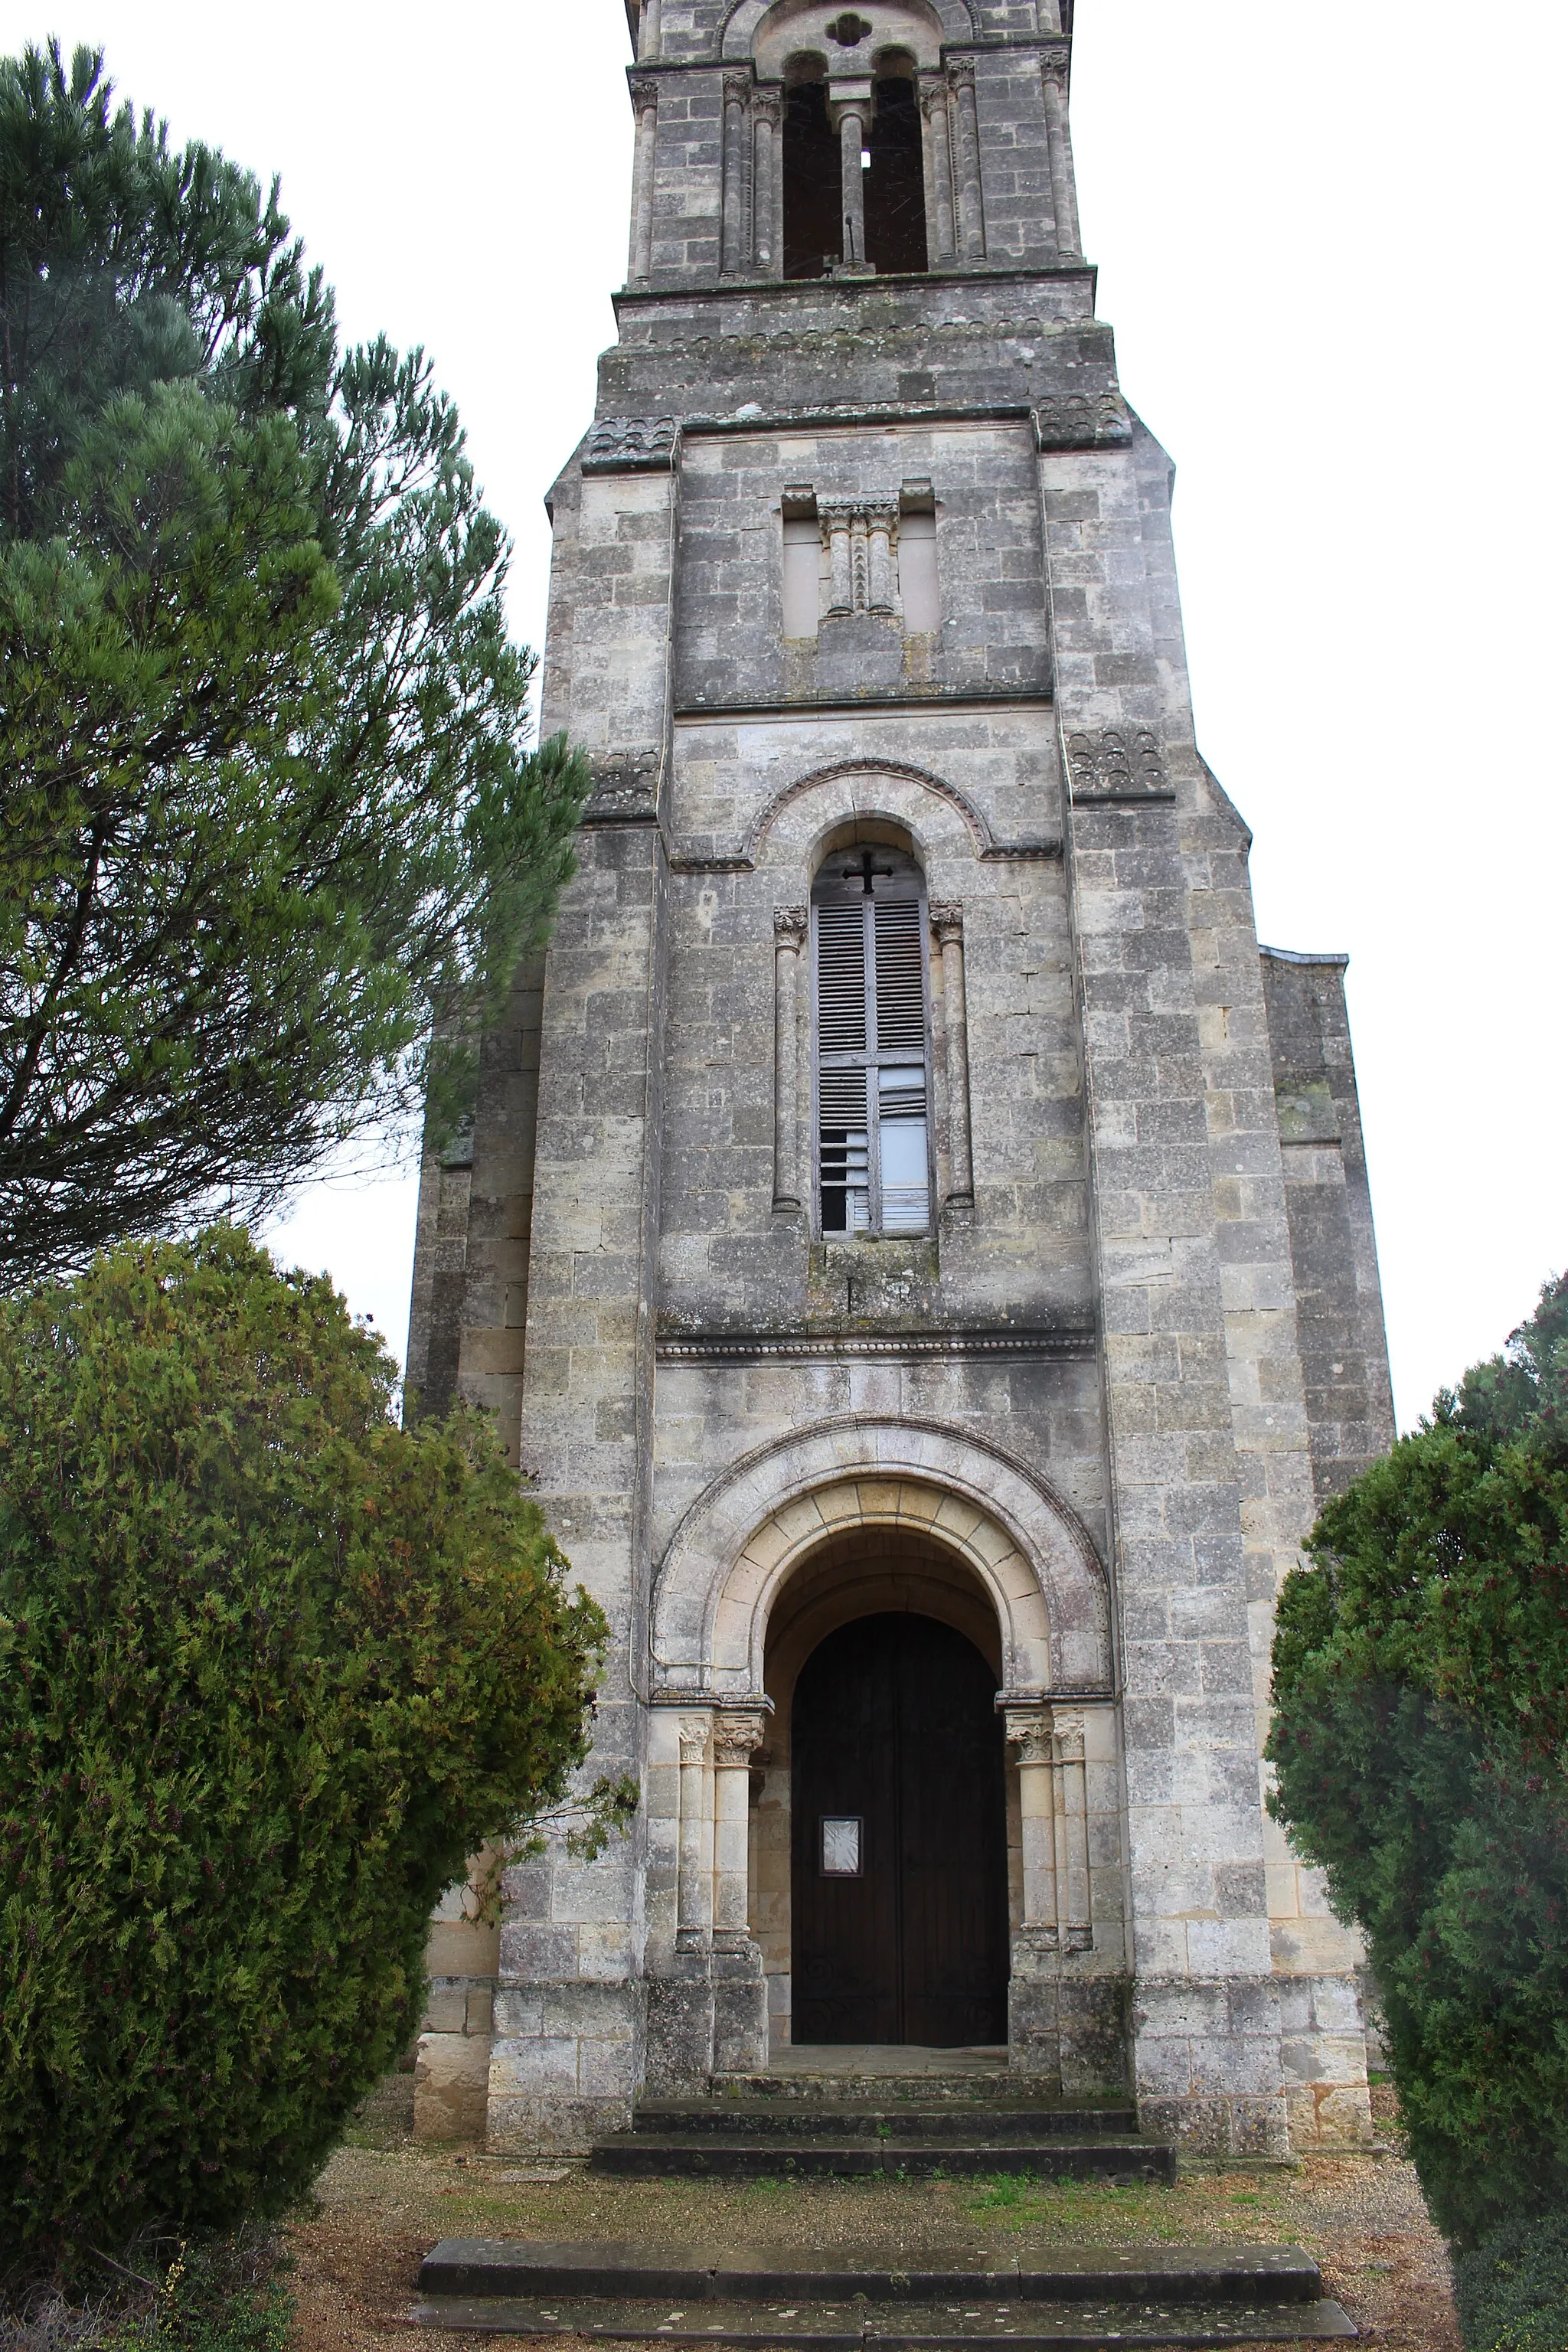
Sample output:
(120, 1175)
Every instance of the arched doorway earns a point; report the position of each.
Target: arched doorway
(900, 1839)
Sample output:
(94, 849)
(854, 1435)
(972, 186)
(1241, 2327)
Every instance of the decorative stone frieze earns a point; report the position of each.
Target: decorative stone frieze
(1081, 420)
(626, 789)
(1113, 763)
(632, 445)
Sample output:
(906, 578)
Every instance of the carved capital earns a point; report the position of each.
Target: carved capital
(790, 927)
(694, 1734)
(767, 103)
(932, 93)
(736, 1735)
(645, 94)
(738, 86)
(961, 73)
(947, 922)
(1029, 1731)
(1057, 65)
(1069, 1737)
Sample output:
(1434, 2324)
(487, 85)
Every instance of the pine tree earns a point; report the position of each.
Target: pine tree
(273, 837)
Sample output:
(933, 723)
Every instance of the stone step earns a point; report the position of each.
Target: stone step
(650, 2155)
(895, 2071)
(538, 2269)
(876, 2119)
(895, 2327)
(1068, 2298)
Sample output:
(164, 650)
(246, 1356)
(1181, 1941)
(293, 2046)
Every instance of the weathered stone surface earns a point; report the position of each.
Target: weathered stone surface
(1091, 1412)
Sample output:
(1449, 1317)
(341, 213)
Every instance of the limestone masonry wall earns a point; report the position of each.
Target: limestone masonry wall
(885, 562)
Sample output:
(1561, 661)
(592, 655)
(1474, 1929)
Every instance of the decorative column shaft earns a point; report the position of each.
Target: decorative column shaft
(1058, 130)
(790, 927)
(937, 155)
(767, 182)
(966, 159)
(648, 31)
(737, 237)
(838, 523)
(694, 1927)
(948, 924)
(738, 1734)
(881, 523)
(1074, 1916)
(645, 98)
(853, 115)
(1029, 1731)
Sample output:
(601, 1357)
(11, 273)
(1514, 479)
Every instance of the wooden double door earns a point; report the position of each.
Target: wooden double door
(900, 1867)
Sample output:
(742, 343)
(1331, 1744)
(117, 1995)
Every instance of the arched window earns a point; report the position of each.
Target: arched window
(812, 204)
(895, 181)
(871, 1062)
(892, 171)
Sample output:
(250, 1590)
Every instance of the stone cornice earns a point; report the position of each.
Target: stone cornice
(1061, 1344)
(804, 289)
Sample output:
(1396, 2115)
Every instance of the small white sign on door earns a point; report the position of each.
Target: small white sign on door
(841, 1845)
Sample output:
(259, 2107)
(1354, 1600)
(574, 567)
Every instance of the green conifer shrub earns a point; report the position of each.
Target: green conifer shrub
(1512, 2293)
(271, 1667)
(1421, 1741)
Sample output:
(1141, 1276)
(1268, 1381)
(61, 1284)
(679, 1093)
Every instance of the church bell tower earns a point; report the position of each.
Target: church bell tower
(916, 1243)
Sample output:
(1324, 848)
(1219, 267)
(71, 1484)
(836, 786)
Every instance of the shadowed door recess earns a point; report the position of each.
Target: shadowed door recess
(900, 1834)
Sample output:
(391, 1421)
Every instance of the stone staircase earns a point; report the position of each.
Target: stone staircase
(1070, 2300)
(898, 2112)
(749, 2138)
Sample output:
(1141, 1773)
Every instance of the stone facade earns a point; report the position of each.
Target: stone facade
(854, 561)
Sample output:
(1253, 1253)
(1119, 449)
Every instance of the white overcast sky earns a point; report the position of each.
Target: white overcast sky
(1331, 242)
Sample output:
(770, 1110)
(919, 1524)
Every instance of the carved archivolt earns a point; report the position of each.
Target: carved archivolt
(939, 819)
(954, 20)
(740, 1542)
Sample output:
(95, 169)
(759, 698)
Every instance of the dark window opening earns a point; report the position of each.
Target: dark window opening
(813, 179)
(895, 184)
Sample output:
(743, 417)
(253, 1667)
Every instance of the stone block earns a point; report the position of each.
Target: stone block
(451, 2086)
(520, 2068)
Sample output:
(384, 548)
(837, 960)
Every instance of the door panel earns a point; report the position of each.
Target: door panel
(894, 1724)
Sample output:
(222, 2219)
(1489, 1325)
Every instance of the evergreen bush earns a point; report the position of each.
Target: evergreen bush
(1421, 1741)
(271, 1668)
(1512, 2290)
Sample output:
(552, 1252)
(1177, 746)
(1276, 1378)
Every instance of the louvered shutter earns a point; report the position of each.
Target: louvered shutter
(872, 1087)
(900, 978)
(903, 1156)
(843, 1126)
(841, 979)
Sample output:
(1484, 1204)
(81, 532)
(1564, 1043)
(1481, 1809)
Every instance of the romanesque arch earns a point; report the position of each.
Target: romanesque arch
(954, 20)
(942, 821)
(741, 1541)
